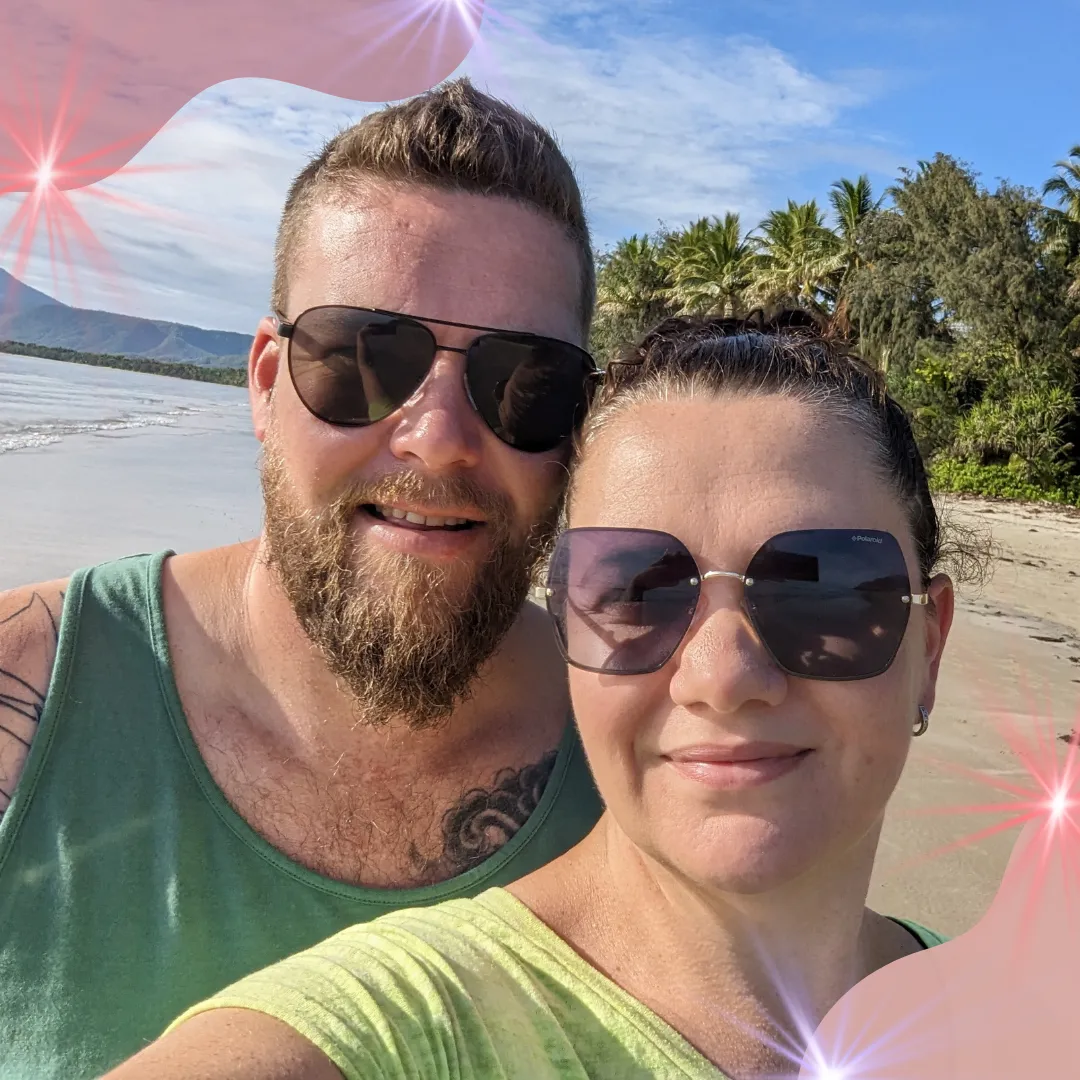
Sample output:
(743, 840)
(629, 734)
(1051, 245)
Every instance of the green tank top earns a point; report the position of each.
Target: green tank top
(129, 888)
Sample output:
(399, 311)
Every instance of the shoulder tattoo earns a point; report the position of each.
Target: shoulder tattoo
(22, 695)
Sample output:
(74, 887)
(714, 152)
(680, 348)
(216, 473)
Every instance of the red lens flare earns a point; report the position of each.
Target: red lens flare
(1049, 789)
(86, 84)
(113, 73)
(49, 181)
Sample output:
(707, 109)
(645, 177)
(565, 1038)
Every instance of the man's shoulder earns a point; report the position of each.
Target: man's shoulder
(209, 582)
(29, 606)
(927, 938)
(30, 627)
(29, 632)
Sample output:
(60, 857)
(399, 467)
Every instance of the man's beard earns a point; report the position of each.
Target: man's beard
(406, 637)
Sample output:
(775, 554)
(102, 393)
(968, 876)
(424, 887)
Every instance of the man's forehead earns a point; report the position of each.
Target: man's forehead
(442, 255)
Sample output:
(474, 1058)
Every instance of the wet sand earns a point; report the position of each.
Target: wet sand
(1014, 651)
(100, 496)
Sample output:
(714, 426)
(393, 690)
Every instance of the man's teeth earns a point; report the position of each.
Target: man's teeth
(392, 513)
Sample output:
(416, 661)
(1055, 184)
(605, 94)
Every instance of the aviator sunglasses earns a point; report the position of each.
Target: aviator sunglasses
(825, 603)
(355, 366)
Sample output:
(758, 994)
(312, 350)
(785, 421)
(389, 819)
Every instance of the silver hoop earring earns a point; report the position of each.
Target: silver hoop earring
(922, 723)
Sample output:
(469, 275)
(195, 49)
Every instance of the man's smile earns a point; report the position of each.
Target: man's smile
(417, 518)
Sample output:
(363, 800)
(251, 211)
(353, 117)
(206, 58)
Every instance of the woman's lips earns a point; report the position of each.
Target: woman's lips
(732, 767)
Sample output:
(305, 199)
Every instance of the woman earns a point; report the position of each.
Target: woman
(748, 601)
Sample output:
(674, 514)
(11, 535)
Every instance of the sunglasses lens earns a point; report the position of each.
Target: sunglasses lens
(827, 603)
(621, 599)
(532, 392)
(355, 367)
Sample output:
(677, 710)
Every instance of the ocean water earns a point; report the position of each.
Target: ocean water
(45, 401)
(97, 463)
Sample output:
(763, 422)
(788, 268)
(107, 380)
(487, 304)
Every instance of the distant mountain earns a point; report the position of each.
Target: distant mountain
(15, 296)
(35, 317)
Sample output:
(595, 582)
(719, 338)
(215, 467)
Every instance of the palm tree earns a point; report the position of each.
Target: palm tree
(710, 264)
(852, 203)
(800, 259)
(630, 285)
(1063, 225)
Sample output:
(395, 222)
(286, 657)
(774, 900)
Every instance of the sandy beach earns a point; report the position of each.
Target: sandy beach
(1013, 665)
(191, 481)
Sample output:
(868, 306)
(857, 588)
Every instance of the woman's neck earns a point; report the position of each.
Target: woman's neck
(745, 979)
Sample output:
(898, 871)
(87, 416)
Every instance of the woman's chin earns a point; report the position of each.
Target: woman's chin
(756, 875)
(754, 862)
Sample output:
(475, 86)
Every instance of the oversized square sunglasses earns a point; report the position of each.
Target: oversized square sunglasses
(825, 603)
(355, 366)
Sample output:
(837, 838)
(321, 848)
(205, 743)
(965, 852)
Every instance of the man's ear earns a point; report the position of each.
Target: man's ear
(939, 618)
(264, 361)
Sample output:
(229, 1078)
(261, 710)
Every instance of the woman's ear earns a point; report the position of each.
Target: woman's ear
(938, 622)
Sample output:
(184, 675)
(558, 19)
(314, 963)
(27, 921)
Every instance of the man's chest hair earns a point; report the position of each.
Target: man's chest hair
(371, 822)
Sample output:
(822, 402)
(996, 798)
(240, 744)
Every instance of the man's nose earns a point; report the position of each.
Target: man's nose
(438, 428)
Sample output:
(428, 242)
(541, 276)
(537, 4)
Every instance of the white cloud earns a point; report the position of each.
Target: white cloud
(659, 124)
(673, 130)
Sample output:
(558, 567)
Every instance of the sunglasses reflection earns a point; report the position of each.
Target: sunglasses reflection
(526, 394)
(339, 375)
(630, 622)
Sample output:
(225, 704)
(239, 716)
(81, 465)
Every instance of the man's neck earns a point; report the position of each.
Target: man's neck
(315, 715)
(291, 749)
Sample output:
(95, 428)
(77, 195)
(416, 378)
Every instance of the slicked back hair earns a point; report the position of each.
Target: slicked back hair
(787, 354)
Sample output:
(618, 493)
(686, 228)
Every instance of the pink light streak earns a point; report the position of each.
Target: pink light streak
(109, 74)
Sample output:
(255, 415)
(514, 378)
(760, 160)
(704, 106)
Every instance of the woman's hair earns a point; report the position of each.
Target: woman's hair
(786, 354)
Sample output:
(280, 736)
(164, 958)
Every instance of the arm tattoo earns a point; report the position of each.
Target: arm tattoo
(484, 820)
(20, 701)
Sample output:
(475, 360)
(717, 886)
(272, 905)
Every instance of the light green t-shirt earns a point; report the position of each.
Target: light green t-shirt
(471, 989)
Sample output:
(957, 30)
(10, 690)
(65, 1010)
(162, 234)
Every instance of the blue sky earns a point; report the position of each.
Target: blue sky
(669, 110)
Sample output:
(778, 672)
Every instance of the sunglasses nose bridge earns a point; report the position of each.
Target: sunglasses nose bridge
(699, 579)
(736, 637)
(464, 380)
(466, 353)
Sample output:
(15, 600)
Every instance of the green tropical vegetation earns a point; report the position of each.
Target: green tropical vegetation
(965, 298)
(229, 376)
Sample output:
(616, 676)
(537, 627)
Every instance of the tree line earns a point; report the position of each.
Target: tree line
(965, 298)
(224, 375)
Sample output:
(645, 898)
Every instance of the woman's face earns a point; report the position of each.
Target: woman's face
(723, 476)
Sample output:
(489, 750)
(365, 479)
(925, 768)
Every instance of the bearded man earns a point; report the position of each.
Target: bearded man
(210, 761)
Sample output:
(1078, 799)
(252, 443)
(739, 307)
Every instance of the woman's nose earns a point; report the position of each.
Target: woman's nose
(721, 664)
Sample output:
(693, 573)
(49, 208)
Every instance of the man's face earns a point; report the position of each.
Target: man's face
(406, 613)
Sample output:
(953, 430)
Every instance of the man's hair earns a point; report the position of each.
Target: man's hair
(452, 138)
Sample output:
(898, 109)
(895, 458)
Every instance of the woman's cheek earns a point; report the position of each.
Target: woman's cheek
(617, 722)
(874, 763)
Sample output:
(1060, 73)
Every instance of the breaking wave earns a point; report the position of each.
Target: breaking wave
(35, 436)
